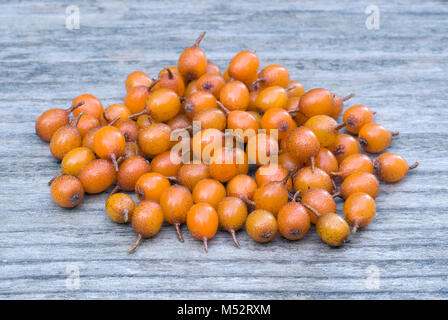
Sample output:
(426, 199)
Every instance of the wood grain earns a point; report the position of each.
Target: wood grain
(398, 70)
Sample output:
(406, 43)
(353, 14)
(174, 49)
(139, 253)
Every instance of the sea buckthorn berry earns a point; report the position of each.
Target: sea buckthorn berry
(143, 121)
(223, 166)
(303, 144)
(129, 128)
(202, 222)
(374, 138)
(293, 221)
(295, 89)
(151, 186)
(261, 226)
(260, 148)
(135, 99)
(181, 121)
(137, 78)
(315, 102)
(272, 196)
(325, 128)
(307, 178)
(146, 221)
(91, 106)
(51, 120)
(120, 207)
(212, 83)
(232, 214)
(191, 173)
(198, 101)
(279, 119)
(131, 150)
(212, 68)
(130, 171)
(253, 94)
(155, 139)
(164, 164)
(170, 78)
(359, 210)
(273, 75)
(75, 160)
(209, 191)
(338, 104)
(344, 146)
(356, 117)
(244, 66)
(354, 164)
(97, 176)
(205, 142)
(267, 173)
(176, 201)
(360, 182)
(109, 143)
(242, 161)
(390, 167)
(192, 61)
(114, 111)
(332, 229)
(67, 191)
(163, 105)
(211, 118)
(320, 200)
(272, 97)
(87, 140)
(86, 123)
(326, 161)
(191, 88)
(65, 139)
(242, 186)
(234, 95)
(287, 161)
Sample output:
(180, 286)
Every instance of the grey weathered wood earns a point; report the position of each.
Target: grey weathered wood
(399, 70)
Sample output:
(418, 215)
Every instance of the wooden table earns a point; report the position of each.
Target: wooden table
(399, 70)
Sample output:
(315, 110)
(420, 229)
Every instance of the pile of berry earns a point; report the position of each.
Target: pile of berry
(240, 120)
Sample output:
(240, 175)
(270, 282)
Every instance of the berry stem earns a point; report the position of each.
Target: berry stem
(199, 39)
(113, 121)
(113, 158)
(204, 240)
(76, 121)
(125, 215)
(136, 244)
(351, 95)
(138, 114)
(114, 190)
(170, 73)
(340, 126)
(248, 201)
(179, 234)
(226, 111)
(69, 110)
(54, 178)
(355, 227)
(312, 164)
(413, 166)
(153, 84)
(394, 133)
(296, 196)
(235, 240)
(286, 178)
(311, 209)
(336, 194)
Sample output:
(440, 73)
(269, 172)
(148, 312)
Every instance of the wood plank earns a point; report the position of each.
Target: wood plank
(398, 70)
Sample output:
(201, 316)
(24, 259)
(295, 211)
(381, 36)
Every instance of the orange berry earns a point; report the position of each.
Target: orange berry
(67, 191)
